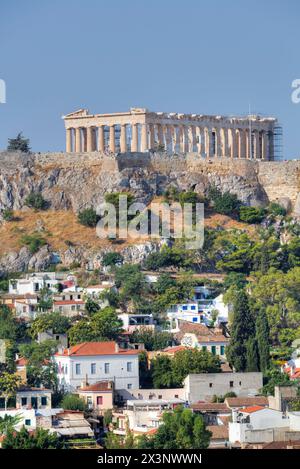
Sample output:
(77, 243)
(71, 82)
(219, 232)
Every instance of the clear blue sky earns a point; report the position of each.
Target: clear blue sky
(197, 56)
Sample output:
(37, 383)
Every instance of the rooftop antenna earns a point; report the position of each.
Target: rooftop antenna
(250, 134)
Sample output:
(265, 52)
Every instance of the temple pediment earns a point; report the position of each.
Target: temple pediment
(79, 113)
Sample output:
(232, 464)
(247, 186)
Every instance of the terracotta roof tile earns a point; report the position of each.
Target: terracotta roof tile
(252, 409)
(96, 348)
(210, 407)
(246, 401)
(99, 386)
(202, 332)
(219, 432)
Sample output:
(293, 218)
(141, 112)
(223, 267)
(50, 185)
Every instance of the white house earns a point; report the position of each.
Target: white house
(33, 283)
(257, 424)
(132, 322)
(90, 362)
(27, 417)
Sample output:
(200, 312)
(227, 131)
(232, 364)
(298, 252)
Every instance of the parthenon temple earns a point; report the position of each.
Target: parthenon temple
(140, 130)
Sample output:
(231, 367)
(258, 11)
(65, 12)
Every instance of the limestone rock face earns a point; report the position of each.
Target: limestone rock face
(73, 181)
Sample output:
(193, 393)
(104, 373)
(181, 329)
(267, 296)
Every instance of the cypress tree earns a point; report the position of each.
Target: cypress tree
(242, 329)
(252, 355)
(263, 339)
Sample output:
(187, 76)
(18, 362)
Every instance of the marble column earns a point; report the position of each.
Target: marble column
(134, 137)
(77, 139)
(185, 139)
(101, 143)
(225, 149)
(90, 139)
(151, 136)
(218, 142)
(160, 135)
(123, 141)
(233, 143)
(208, 142)
(264, 137)
(257, 154)
(192, 138)
(112, 142)
(68, 140)
(84, 139)
(202, 141)
(241, 143)
(144, 138)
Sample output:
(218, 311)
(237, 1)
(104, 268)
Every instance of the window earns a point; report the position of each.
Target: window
(222, 348)
(27, 422)
(213, 349)
(184, 308)
(106, 368)
(210, 385)
(77, 369)
(231, 384)
(93, 368)
(129, 386)
(44, 400)
(176, 396)
(193, 307)
(195, 319)
(24, 401)
(129, 367)
(160, 396)
(204, 347)
(99, 400)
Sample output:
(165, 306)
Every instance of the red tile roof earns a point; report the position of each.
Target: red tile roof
(202, 332)
(96, 348)
(252, 409)
(219, 432)
(103, 386)
(210, 407)
(247, 401)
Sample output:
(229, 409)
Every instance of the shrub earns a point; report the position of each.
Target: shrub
(112, 258)
(35, 200)
(88, 217)
(251, 214)
(7, 214)
(276, 209)
(34, 242)
(224, 203)
(73, 402)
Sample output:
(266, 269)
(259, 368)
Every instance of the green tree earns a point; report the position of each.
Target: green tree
(263, 340)
(91, 306)
(152, 339)
(40, 439)
(193, 361)
(164, 282)
(104, 325)
(8, 386)
(162, 374)
(241, 330)
(274, 377)
(51, 321)
(8, 422)
(19, 143)
(181, 429)
(88, 217)
(34, 242)
(73, 402)
(252, 355)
